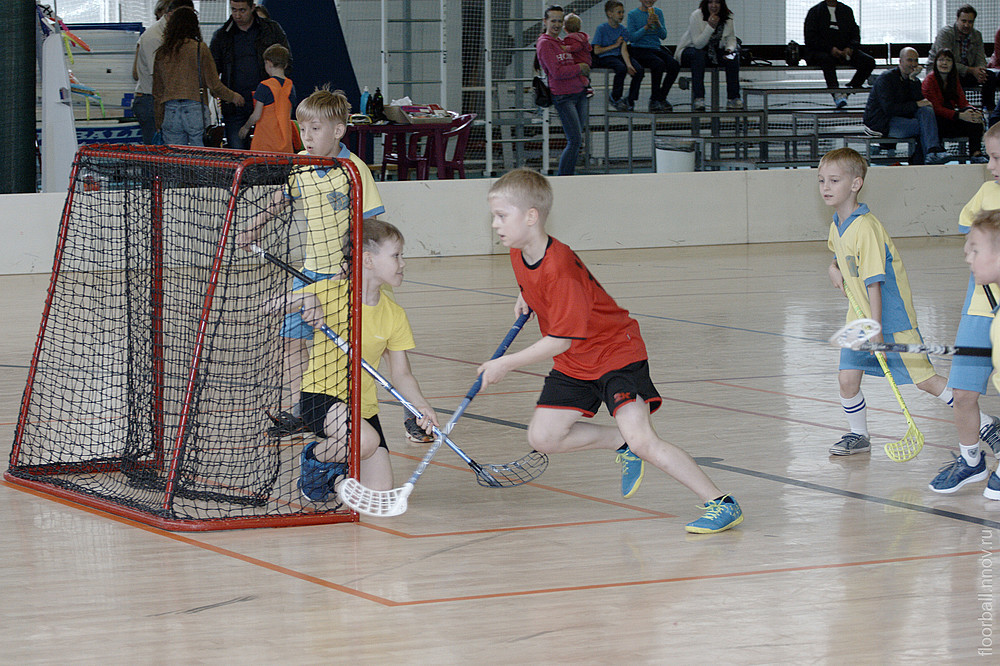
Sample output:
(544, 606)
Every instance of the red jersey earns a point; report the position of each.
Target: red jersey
(570, 303)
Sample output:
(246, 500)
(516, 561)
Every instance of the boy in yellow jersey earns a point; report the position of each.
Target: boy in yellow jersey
(969, 375)
(323, 197)
(867, 263)
(385, 334)
(982, 253)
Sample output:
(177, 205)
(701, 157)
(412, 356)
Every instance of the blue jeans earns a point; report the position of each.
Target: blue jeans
(233, 124)
(183, 122)
(142, 107)
(923, 126)
(574, 114)
(697, 60)
(617, 63)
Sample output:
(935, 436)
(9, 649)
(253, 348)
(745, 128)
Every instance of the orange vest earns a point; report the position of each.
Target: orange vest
(273, 132)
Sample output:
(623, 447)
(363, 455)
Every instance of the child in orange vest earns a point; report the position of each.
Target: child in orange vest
(271, 120)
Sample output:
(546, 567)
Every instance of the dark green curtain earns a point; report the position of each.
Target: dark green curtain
(17, 81)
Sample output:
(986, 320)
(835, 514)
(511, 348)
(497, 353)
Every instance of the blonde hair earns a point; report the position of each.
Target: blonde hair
(849, 159)
(326, 105)
(375, 232)
(277, 55)
(572, 23)
(526, 189)
(988, 220)
(993, 133)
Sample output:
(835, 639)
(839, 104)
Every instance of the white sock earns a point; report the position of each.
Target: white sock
(970, 453)
(946, 397)
(857, 413)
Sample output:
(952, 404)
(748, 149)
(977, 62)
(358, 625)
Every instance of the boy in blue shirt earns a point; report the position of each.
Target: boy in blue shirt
(610, 44)
(646, 29)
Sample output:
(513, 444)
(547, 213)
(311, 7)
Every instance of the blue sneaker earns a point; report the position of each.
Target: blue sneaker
(990, 434)
(632, 470)
(992, 489)
(957, 473)
(719, 516)
(316, 478)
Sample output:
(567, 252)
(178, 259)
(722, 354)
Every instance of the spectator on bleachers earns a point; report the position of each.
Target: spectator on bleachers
(896, 108)
(710, 41)
(966, 45)
(611, 52)
(955, 117)
(647, 29)
(833, 38)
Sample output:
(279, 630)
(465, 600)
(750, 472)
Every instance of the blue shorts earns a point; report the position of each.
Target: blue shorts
(971, 373)
(295, 326)
(905, 368)
(614, 388)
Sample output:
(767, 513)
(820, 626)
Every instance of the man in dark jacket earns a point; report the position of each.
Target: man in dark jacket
(238, 49)
(833, 38)
(896, 108)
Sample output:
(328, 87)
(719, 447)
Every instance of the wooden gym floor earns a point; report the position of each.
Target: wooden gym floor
(839, 560)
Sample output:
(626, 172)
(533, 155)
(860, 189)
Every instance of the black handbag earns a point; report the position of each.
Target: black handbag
(543, 95)
(213, 135)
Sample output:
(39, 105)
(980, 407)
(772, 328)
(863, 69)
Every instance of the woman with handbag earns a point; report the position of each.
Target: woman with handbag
(568, 83)
(182, 71)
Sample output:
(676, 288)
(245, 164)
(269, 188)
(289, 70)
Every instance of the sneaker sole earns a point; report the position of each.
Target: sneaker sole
(705, 530)
(982, 476)
(989, 493)
(419, 440)
(834, 451)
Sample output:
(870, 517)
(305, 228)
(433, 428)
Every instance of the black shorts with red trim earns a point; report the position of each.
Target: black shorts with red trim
(614, 389)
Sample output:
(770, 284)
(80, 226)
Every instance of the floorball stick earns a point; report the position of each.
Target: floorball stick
(394, 502)
(912, 443)
(857, 335)
(506, 475)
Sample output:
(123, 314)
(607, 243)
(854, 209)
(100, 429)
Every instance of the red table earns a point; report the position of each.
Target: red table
(399, 135)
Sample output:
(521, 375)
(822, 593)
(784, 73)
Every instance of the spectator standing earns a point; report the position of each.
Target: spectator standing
(238, 49)
(142, 67)
(710, 41)
(955, 117)
(966, 46)
(182, 68)
(569, 89)
(833, 38)
(647, 29)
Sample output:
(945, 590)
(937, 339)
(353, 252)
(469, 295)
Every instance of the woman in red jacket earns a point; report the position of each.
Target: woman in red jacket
(955, 116)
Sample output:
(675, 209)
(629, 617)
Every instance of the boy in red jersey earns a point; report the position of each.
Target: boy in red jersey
(598, 355)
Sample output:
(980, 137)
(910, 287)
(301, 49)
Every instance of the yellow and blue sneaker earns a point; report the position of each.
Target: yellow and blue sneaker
(720, 515)
(632, 470)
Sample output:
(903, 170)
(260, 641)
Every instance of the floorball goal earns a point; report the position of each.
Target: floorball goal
(157, 358)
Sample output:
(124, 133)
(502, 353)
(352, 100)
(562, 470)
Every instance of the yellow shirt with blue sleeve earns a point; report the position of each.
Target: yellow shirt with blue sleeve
(987, 198)
(323, 196)
(866, 255)
(383, 327)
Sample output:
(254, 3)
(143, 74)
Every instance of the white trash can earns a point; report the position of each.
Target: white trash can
(675, 155)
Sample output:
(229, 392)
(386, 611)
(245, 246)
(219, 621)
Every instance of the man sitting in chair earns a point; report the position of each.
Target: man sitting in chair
(833, 38)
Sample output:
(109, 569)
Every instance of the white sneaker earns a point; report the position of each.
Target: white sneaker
(698, 103)
(734, 104)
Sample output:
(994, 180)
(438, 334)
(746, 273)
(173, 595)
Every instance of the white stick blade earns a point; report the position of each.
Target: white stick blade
(377, 503)
(856, 333)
